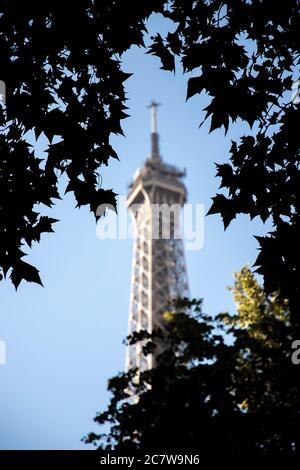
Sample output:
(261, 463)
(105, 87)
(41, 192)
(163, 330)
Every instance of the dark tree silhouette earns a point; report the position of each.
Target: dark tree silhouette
(206, 395)
(60, 62)
(61, 66)
(246, 56)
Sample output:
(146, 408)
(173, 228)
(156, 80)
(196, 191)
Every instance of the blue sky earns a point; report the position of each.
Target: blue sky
(64, 341)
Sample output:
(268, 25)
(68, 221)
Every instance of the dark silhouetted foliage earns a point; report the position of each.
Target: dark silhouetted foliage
(207, 394)
(60, 62)
(246, 56)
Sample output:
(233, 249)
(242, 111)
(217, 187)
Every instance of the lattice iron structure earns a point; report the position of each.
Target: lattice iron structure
(159, 273)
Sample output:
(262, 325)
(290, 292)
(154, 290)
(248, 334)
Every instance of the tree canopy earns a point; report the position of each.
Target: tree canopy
(207, 393)
(245, 55)
(62, 68)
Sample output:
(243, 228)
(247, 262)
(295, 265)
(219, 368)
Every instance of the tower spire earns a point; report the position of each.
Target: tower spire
(154, 154)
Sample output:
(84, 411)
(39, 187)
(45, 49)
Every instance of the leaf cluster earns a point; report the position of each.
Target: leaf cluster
(207, 393)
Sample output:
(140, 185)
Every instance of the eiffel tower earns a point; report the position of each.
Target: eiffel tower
(155, 199)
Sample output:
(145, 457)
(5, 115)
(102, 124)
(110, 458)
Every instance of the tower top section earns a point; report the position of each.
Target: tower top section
(161, 181)
(154, 154)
